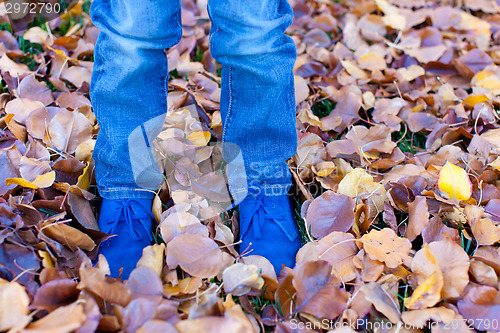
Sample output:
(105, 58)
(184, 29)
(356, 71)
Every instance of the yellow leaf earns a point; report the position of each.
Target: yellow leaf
(306, 116)
(46, 259)
(216, 119)
(199, 138)
(156, 208)
(153, 257)
(392, 16)
(324, 169)
(19, 181)
(418, 108)
(496, 164)
(41, 181)
(185, 286)
(84, 179)
(453, 182)
(488, 79)
(354, 70)
(423, 289)
(45, 180)
(358, 182)
(372, 61)
(473, 100)
(447, 93)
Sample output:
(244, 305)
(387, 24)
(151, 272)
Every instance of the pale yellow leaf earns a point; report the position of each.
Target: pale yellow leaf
(199, 138)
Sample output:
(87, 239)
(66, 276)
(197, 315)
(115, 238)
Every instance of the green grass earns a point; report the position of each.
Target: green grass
(300, 221)
(323, 108)
(409, 142)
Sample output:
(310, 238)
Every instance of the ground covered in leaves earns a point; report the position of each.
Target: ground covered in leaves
(397, 183)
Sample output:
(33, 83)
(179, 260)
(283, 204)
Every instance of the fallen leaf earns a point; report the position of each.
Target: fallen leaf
(384, 245)
(239, 279)
(14, 303)
(62, 320)
(453, 182)
(198, 255)
(41, 181)
(68, 130)
(418, 217)
(318, 291)
(451, 260)
(330, 212)
(153, 257)
(338, 249)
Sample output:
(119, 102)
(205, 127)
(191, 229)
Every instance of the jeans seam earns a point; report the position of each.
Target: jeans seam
(165, 83)
(229, 108)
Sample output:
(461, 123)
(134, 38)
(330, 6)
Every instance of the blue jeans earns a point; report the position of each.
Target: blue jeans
(130, 83)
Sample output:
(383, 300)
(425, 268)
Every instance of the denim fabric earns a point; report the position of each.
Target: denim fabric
(130, 82)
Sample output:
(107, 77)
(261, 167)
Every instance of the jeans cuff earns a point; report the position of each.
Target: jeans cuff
(126, 193)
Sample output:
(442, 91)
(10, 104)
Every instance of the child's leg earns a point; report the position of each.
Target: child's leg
(129, 86)
(257, 102)
(129, 96)
(258, 112)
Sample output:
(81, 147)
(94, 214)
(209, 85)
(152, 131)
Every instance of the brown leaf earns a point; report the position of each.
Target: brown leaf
(490, 256)
(157, 326)
(451, 260)
(481, 305)
(138, 312)
(347, 108)
(483, 274)
(69, 236)
(94, 279)
(239, 279)
(330, 212)
(318, 291)
(384, 245)
(69, 129)
(485, 232)
(81, 209)
(13, 305)
(178, 223)
(21, 108)
(153, 257)
(62, 320)
(472, 62)
(418, 217)
(54, 294)
(35, 90)
(380, 299)
(198, 255)
(338, 249)
(419, 318)
(211, 324)
(144, 281)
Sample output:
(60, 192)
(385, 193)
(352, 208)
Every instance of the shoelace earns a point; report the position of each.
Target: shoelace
(132, 210)
(257, 210)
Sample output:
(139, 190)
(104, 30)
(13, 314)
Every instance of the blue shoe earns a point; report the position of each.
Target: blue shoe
(131, 220)
(267, 222)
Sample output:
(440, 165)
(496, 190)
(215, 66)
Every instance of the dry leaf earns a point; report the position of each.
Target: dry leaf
(384, 245)
(239, 279)
(196, 254)
(330, 212)
(14, 303)
(318, 292)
